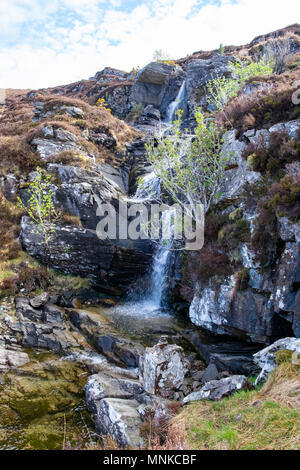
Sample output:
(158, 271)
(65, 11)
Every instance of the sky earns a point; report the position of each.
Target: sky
(47, 43)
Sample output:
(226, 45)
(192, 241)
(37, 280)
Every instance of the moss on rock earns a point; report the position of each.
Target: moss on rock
(40, 405)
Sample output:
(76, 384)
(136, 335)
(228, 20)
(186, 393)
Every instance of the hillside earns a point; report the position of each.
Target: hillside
(130, 327)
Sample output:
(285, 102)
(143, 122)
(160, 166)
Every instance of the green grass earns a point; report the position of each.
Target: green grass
(267, 418)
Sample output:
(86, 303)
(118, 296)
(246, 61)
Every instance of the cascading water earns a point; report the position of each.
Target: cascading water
(159, 273)
(149, 190)
(175, 105)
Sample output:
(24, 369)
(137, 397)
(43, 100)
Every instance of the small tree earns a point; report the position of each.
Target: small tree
(221, 49)
(190, 167)
(41, 209)
(160, 55)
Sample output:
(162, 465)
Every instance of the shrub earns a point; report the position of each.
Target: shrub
(242, 278)
(17, 156)
(284, 197)
(271, 158)
(264, 236)
(135, 112)
(222, 89)
(161, 55)
(263, 108)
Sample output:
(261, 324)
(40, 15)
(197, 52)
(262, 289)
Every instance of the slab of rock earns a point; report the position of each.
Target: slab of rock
(163, 369)
(150, 84)
(120, 419)
(109, 266)
(217, 389)
(40, 300)
(101, 386)
(266, 357)
(10, 359)
(52, 313)
(210, 373)
(25, 310)
(199, 73)
(73, 111)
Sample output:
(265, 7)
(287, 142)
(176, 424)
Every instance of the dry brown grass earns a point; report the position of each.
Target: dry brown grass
(17, 130)
(264, 108)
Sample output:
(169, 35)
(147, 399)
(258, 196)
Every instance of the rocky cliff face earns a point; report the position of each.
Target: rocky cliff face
(266, 306)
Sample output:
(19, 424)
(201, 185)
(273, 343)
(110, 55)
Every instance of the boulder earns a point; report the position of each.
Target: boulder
(9, 186)
(101, 386)
(118, 350)
(228, 355)
(239, 175)
(150, 84)
(163, 369)
(52, 313)
(12, 358)
(150, 116)
(74, 111)
(26, 311)
(120, 419)
(40, 300)
(217, 389)
(101, 136)
(265, 358)
(48, 148)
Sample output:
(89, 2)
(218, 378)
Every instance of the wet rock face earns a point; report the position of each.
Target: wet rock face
(43, 327)
(225, 353)
(163, 369)
(80, 252)
(111, 264)
(217, 389)
(120, 419)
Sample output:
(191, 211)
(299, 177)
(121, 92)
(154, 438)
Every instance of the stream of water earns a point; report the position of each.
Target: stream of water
(175, 105)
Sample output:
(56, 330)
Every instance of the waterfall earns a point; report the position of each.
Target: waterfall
(175, 105)
(159, 274)
(148, 190)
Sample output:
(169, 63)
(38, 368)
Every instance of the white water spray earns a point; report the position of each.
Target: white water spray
(175, 105)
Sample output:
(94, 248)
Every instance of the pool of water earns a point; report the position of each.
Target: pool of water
(143, 320)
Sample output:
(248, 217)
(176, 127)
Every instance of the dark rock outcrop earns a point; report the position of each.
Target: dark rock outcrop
(150, 84)
(199, 73)
(79, 252)
(268, 307)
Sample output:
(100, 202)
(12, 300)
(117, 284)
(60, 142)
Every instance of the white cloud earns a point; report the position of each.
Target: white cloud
(82, 47)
